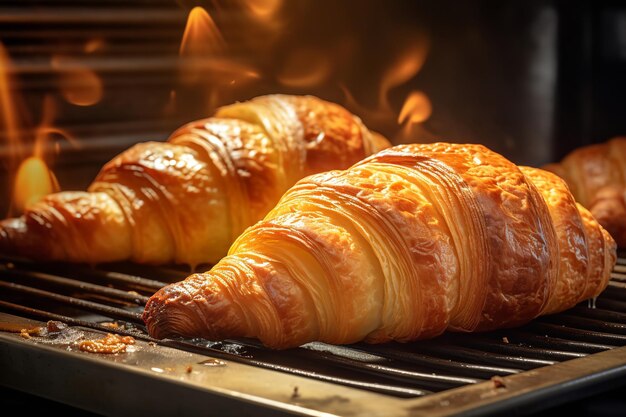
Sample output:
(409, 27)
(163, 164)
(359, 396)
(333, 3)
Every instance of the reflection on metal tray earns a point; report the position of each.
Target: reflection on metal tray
(539, 365)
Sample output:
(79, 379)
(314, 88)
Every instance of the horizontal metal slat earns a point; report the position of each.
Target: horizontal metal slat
(449, 366)
(513, 349)
(95, 15)
(405, 370)
(598, 313)
(577, 334)
(85, 305)
(586, 323)
(72, 284)
(552, 342)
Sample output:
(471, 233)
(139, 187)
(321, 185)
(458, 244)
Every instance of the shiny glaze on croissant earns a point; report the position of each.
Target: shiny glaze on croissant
(188, 199)
(410, 242)
(596, 174)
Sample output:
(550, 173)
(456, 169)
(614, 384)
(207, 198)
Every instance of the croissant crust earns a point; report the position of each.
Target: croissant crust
(188, 199)
(596, 174)
(405, 244)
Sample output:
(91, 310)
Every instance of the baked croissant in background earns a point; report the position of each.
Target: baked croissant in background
(410, 242)
(188, 199)
(596, 174)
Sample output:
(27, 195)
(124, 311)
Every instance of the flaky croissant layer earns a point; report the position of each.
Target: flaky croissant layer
(410, 242)
(596, 174)
(187, 200)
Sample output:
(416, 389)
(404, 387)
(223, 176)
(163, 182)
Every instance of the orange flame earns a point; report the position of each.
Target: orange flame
(416, 109)
(369, 115)
(223, 68)
(82, 87)
(263, 9)
(47, 131)
(206, 58)
(33, 181)
(79, 85)
(201, 36)
(305, 68)
(94, 45)
(405, 68)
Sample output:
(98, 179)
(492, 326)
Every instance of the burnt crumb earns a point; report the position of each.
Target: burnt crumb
(28, 333)
(153, 344)
(54, 326)
(505, 340)
(189, 369)
(498, 382)
(53, 332)
(295, 393)
(110, 344)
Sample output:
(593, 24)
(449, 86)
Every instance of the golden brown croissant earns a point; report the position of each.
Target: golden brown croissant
(187, 200)
(410, 242)
(596, 174)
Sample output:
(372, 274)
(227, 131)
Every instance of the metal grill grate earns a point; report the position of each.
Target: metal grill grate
(88, 297)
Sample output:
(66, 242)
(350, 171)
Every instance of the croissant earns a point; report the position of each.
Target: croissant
(186, 200)
(596, 174)
(404, 245)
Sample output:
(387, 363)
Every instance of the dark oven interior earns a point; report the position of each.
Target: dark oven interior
(86, 79)
(81, 80)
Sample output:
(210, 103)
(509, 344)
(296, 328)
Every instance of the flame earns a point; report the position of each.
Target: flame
(47, 131)
(224, 75)
(223, 68)
(402, 70)
(9, 121)
(79, 85)
(406, 67)
(369, 115)
(94, 45)
(206, 58)
(33, 181)
(305, 68)
(416, 109)
(263, 9)
(201, 36)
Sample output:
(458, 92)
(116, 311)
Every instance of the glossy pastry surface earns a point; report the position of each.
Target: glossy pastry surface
(405, 244)
(187, 200)
(596, 175)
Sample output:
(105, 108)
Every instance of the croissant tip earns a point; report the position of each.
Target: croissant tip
(151, 314)
(165, 317)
